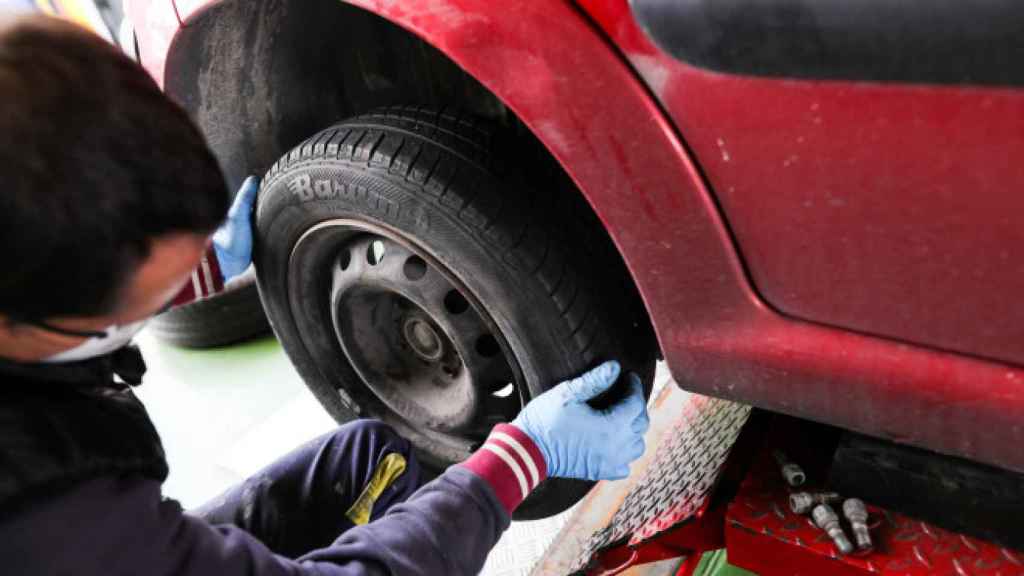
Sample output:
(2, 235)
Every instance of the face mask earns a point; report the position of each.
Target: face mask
(98, 344)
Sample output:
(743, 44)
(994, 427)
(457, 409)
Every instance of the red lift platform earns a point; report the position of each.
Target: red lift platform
(713, 483)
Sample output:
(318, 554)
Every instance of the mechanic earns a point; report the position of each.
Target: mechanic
(112, 205)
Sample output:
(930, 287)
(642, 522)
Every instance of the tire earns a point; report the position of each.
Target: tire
(231, 316)
(450, 190)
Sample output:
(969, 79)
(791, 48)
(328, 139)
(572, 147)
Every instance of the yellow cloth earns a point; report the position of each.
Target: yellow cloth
(389, 470)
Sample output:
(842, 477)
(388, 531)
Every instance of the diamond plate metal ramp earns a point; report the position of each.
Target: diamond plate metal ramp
(688, 443)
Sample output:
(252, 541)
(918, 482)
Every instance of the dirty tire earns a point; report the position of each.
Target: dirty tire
(485, 204)
(232, 316)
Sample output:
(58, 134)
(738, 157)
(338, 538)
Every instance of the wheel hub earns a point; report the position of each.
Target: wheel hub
(421, 337)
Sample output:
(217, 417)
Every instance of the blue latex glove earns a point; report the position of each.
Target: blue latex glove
(233, 240)
(578, 441)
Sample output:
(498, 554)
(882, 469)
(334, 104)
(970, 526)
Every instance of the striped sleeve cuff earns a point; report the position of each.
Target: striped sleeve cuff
(511, 463)
(206, 280)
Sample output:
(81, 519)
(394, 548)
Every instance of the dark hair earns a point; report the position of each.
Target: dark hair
(95, 162)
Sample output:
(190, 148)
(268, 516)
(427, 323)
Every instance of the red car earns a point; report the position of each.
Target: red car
(809, 206)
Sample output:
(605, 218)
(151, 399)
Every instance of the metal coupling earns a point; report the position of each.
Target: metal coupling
(826, 519)
(857, 514)
(803, 502)
(791, 472)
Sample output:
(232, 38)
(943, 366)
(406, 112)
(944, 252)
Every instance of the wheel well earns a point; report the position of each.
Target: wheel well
(260, 77)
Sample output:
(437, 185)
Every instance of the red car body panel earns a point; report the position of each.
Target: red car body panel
(547, 62)
(887, 209)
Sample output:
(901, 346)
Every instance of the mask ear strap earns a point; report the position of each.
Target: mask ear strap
(66, 331)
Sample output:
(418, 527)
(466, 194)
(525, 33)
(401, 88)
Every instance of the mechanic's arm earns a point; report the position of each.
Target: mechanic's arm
(450, 525)
(447, 527)
(229, 254)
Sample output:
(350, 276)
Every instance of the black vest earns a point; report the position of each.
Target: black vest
(63, 424)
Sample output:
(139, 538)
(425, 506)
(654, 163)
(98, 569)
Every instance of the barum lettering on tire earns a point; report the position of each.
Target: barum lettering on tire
(301, 188)
(324, 189)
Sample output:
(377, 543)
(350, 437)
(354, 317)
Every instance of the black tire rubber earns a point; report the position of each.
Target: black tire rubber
(232, 316)
(481, 202)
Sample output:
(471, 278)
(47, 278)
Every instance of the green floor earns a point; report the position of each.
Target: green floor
(717, 564)
(223, 414)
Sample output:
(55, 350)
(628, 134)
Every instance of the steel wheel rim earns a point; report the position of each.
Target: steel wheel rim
(433, 361)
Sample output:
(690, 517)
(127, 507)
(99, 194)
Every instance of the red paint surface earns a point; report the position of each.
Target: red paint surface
(558, 73)
(763, 536)
(703, 532)
(892, 210)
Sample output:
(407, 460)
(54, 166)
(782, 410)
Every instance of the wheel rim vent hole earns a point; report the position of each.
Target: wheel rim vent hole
(455, 302)
(487, 346)
(414, 268)
(375, 252)
(505, 391)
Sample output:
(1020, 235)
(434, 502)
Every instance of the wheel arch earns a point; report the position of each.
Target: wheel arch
(262, 76)
(252, 74)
